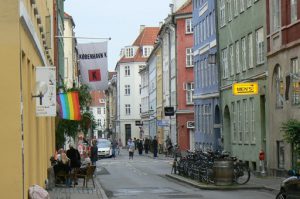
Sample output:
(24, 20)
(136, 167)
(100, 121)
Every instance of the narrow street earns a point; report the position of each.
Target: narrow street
(144, 178)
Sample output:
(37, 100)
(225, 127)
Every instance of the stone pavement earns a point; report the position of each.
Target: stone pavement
(78, 192)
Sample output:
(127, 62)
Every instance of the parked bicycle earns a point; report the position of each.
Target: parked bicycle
(199, 166)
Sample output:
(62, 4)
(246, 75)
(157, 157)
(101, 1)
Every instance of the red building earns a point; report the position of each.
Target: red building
(185, 76)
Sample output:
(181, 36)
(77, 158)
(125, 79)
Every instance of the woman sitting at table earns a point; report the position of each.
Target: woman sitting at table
(63, 167)
(85, 163)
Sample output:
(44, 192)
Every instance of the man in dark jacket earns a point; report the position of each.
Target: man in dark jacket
(155, 146)
(74, 156)
(94, 152)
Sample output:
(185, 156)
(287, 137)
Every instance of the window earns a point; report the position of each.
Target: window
(235, 8)
(229, 9)
(237, 57)
(279, 87)
(240, 128)
(127, 89)
(244, 67)
(242, 6)
(246, 122)
(202, 73)
(295, 81)
(127, 109)
(189, 92)
(189, 57)
(260, 46)
(188, 26)
(98, 110)
(140, 88)
(231, 57)
(276, 14)
(146, 51)
(129, 52)
(140, 108)
(293, 11)
(222, 13)
(234, 122)
(249, 2)
(104, 110)
(127, 70)
(252, 120)
(280, 154)
(207, 26)
(225, 63)
(250, 50)
(204, 29)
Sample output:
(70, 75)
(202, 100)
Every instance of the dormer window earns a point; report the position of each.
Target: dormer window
(129, 52)
(147, 51)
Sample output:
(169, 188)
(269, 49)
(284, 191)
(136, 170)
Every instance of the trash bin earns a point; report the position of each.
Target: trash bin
(223, 172)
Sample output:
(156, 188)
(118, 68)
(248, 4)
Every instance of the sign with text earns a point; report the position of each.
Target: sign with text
(249, 88)
(162, 123)
(93, 65)
(46, 90)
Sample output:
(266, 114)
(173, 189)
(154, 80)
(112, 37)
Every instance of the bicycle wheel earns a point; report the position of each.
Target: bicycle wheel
(241, 174)
(281, 195)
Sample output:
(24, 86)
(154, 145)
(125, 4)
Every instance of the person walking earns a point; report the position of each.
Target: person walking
(140, 147)
(114, 146)
(146, 145)
(131, 148)
(94, 152)
(155, 146)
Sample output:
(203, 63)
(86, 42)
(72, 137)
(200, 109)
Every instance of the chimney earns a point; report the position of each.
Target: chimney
(142, 27)
(160, 24)
(172, 8)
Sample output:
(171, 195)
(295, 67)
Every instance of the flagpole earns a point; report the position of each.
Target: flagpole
(102, 38)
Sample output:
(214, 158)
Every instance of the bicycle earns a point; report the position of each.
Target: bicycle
(241, 172)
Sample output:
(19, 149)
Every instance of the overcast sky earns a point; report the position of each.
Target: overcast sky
(118, 19)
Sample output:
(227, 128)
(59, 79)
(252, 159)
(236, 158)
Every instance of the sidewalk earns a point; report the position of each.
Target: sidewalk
(269, 183)
(266, 183)
(78, 192)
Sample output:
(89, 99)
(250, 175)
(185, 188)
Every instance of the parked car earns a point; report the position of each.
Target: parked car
(104, 148)
(290, 187)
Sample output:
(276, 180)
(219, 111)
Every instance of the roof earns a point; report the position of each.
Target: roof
(187, 7)
(67, 16)
(146, 37)
(96, 96)
(111, 74)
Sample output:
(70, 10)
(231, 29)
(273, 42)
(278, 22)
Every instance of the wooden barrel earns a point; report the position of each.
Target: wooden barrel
(223, 172)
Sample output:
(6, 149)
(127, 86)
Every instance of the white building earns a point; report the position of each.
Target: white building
(129, 83)
(98, 109)
(144, 72)
(70, 55)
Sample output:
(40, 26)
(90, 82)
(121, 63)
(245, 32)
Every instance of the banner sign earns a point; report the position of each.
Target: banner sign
(93, 65)
(46, 89)
(250, 88)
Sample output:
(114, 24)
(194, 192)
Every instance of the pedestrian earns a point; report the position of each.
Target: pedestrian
(74, 156)
(154, 146)
(140, 146)
(114, 146)
(169, 146)
(135, 143)
(146, 145)
(131, 147)
(94, 152)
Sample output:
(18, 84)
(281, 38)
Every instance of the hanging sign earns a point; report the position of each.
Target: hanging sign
(249, 88)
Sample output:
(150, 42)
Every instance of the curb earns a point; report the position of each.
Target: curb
(214, 187)
(101, 190)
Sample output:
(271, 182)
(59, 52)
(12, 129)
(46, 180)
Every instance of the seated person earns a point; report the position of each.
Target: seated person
(62, 166)
(85, 163)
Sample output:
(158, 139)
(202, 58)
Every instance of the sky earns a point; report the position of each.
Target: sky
(118, 19)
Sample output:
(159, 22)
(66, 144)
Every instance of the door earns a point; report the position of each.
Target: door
(127, 132)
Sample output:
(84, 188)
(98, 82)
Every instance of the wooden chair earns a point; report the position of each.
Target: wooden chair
(89, 175)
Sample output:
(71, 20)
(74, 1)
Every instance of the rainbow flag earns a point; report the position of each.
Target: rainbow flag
(69, 105)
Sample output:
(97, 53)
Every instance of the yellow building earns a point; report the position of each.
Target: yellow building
(159, 92)
(27, 141)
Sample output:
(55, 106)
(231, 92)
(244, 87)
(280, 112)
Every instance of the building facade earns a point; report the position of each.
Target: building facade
(242, 56)
(133, 59)
(144, 123)
(283, 39)
(184, 76)
(29, 141)
(111, 104)
(206, 95)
